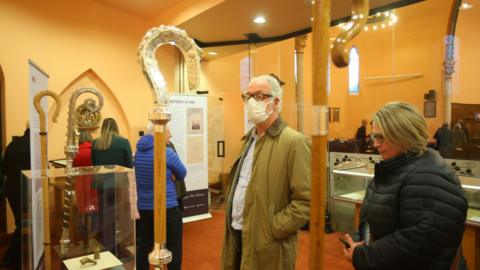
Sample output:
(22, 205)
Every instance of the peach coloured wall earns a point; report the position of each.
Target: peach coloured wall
(466, 87)
(415, 45)
(67, 39)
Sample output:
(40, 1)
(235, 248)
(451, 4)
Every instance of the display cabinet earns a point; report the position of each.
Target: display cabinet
(471, 236)
(90, 211)
(348, 184)
(349, 178)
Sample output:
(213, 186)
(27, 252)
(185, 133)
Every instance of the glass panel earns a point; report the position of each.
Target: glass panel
(98, 221)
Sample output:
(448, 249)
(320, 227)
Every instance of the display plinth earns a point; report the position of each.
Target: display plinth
(99, 221)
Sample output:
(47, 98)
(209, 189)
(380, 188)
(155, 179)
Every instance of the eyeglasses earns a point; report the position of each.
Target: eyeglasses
(259, 96)
(378, 137)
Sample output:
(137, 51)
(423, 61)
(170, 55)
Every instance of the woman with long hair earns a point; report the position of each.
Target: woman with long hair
(110, 148)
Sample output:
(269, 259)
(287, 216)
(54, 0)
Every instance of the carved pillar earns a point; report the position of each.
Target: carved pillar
(449, 69)
(300, 43)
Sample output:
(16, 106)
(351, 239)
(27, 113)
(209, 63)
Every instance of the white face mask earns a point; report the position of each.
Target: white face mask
(257, 111)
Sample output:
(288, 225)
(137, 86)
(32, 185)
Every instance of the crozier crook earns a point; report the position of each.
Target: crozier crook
(43, 151)
(340, 54)
(71, 150)
(160, 116)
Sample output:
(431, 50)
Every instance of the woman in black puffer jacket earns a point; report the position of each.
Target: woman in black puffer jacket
(414, 210)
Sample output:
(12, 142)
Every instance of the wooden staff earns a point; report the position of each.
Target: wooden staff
(321, 22)
(43, 151)
(160, 255)
(153, 39)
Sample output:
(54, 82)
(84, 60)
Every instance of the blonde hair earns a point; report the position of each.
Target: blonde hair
(402, 125)
(109, 129)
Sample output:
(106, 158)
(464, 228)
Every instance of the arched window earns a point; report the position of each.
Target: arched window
(353, 72)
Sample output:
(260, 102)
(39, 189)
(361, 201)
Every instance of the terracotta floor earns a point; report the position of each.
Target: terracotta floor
(202, 245)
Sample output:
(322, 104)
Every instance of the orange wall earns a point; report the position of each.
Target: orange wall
(415, 45)
(465, 84)
(68, 39)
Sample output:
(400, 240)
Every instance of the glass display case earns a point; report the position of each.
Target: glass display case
(471, 236)
(350, 177)
(347, 189)
(91, 213)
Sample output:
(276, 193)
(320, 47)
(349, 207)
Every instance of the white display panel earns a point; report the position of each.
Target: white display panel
(189, 132)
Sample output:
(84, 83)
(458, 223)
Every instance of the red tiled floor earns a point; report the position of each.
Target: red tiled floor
(202, 246)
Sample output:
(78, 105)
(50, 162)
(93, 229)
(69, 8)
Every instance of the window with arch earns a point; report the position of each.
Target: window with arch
(353, 72)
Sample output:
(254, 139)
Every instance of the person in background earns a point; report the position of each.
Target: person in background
(176, 171)
(17, 158)
(444, 139)
(112, 149)
(180, 186)
(361, 135)
(414, 211)
(268, 198)
(86, 196)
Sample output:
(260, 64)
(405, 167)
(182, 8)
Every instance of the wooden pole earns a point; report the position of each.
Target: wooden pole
(159, 185)
(44, 176)
(320, 33)
(321, 23)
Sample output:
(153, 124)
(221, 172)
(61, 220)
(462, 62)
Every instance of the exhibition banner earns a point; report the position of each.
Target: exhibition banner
(188, 127)
(37, 81)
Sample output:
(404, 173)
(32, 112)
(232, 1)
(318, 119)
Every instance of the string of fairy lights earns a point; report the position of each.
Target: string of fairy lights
(379, 20)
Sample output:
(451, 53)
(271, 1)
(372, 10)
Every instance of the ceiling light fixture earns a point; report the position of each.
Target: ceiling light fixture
(465, 6)
(259, 20)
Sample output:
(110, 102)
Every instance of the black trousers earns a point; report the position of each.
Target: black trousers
(13, 254)
(144, 231)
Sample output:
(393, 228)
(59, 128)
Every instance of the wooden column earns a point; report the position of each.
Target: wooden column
(320, 25)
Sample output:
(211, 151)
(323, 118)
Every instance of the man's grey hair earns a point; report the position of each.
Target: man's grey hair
(149, 128)
(275, 87)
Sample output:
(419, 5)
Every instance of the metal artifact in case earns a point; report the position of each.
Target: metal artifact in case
(100, 220)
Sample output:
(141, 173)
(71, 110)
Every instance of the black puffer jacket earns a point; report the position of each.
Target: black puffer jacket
(416, 211)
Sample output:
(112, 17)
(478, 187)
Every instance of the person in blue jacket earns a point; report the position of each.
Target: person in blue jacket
(176, 171)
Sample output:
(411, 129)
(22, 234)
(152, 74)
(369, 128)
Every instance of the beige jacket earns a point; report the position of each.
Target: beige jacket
(277, 201)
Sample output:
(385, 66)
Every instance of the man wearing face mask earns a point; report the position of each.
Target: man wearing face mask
(268, 199)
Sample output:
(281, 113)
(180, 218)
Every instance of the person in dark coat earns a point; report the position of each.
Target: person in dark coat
(361, 135)
(444, 139)
(110, 148)
(17, 158)
(414, 211)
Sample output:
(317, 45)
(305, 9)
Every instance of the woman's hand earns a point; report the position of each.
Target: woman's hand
(348, 252)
